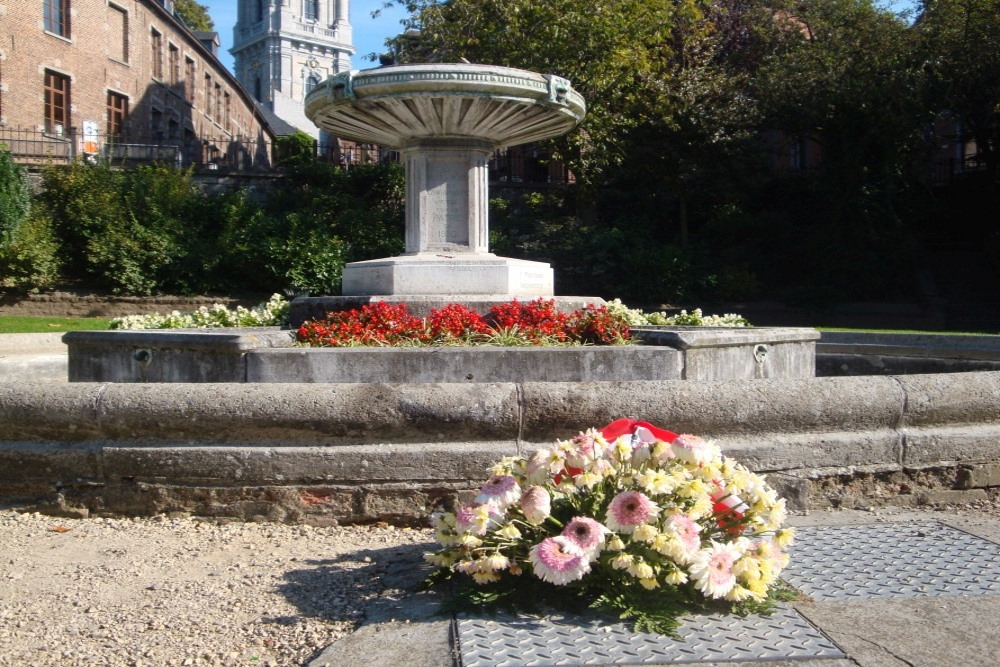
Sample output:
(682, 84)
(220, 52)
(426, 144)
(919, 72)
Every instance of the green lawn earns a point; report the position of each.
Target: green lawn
(51, 324)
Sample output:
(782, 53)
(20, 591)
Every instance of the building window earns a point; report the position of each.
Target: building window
(157, 45)
(259, 11)
(57, 102)
(117, 113)
(228, 109)
(118, 19)
(190, 68)
(257, 89)
(208, 95)
(310, 10)
(156, 122)
(57, 17)
(218, 104)
(174, 61)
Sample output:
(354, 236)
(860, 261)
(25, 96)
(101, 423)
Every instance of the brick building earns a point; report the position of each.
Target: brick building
(121, 78)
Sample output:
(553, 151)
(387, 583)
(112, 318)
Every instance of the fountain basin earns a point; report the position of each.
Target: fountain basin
(399, 105)
(270, 355)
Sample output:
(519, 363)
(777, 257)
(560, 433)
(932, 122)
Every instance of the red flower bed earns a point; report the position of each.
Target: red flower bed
(535, 322)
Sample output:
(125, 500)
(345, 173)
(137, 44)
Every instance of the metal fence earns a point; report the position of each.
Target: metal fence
(36, 148)
(511, 166)
(946, 172)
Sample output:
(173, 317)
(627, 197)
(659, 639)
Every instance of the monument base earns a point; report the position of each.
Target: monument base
(448, 274)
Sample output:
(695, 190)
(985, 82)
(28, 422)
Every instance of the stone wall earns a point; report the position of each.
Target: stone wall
(338, 452)
(77, 304)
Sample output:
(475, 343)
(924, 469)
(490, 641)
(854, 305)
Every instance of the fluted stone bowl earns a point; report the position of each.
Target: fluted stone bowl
(401, 105)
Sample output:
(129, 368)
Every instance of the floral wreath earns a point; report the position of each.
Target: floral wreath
(630, 518)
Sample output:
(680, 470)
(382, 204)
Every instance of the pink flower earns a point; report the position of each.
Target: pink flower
(587, 534)
(688, 534)
(628, 510)
(558, 561)
(712, 570)
(586, 447)
(500, 491)
(476, 519)
(536, 503)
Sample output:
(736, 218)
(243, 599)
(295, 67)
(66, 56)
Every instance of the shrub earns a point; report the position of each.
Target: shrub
(29, 258)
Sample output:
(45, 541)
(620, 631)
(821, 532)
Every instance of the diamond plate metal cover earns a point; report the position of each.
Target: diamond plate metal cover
(508, 640)
(891, 560)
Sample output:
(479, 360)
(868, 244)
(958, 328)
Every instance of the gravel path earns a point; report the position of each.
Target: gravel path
(182, 591)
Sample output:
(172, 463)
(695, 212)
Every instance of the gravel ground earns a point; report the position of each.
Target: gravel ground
(185, 591)
(182, 591)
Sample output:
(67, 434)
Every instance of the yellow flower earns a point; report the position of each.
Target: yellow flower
(649, 583)
(784, 537)
(495, 562)
(656, 481)
(641, 570)
(485, 577)
(757, 588)
(470, 541)
(676, 577)
(614, 543)
(738, 593)
(693, 489)
(645, 533)
(510, 531)
(702, 507)
(587, 480)
(622, 561)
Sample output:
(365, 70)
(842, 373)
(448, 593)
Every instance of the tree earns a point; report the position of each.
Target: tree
(195, 15)
(960, 42)
(615, 52)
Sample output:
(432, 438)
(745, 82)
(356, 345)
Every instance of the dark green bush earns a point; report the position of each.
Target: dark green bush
(28, 248)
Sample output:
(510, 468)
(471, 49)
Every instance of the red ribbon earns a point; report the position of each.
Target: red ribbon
(620, 427)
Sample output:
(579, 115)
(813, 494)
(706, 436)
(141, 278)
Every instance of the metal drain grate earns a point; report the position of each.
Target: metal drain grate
(522, 641)
(892, 560)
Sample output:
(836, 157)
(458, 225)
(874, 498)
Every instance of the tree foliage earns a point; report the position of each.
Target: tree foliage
(960, 43)
(195, 15)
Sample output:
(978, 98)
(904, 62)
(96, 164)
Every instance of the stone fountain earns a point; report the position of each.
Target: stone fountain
(446, 120)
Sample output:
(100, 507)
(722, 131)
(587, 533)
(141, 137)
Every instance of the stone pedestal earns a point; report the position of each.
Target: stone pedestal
(447, 232)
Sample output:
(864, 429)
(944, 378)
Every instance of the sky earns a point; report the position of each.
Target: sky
(369, 33)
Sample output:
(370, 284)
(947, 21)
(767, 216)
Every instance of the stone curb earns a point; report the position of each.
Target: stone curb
(365, 452)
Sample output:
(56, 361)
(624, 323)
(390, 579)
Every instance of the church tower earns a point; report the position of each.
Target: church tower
(283, 48)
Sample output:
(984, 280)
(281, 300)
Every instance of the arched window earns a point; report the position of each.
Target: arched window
(311, 82)
(310, 10)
